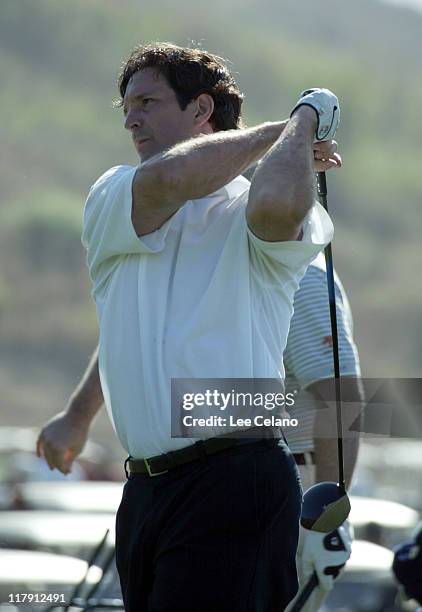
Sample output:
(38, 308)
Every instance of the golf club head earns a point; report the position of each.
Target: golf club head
(325, 507)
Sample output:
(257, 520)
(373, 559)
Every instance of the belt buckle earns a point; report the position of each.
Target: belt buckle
(153, 473)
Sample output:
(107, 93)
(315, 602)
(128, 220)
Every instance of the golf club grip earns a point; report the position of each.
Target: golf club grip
(322, 185)
(305, 593)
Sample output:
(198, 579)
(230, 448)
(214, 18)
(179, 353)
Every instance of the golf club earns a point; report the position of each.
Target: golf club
(98, 550)
(326, 505)
(305, 593)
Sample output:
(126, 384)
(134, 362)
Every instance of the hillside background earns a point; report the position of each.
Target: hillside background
(59, 132)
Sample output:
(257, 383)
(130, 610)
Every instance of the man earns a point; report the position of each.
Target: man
(194, 273)
(308, 361)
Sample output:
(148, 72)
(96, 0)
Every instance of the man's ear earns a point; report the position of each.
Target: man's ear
(204, 109)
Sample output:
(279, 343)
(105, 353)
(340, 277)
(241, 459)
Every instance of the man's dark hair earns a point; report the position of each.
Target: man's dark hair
(189, 72)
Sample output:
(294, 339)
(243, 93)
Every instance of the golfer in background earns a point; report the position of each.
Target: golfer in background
(193, 273)
(308, 361)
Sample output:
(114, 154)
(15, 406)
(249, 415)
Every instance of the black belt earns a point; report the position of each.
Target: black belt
(161, 464)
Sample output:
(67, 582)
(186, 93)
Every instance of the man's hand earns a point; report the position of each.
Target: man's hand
(327, 109)
(63, 437)
(61, 440)
(326, 156)
(326, 554)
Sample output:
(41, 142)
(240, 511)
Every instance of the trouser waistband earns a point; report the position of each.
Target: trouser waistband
(161, 464)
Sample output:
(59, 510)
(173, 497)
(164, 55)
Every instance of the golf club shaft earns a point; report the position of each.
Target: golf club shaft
(90, 562)
(104, 568)
(322, 193)
(305, 593)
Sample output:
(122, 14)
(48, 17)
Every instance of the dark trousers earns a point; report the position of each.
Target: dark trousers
(217, 535)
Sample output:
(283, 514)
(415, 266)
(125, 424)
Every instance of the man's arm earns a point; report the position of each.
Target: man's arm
(325, 429)
(201, 165)
(87, 398)
(63, 437)
(283, 186)
(194, 169)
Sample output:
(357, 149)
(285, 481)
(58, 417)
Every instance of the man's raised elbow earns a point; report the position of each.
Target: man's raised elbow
(273, 219)
(154, 185)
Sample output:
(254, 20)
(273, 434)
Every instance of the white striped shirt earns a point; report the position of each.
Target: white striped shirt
(308, 356)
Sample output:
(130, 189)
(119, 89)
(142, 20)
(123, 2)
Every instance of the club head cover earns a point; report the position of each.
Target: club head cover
(325, 507)
(327, 108)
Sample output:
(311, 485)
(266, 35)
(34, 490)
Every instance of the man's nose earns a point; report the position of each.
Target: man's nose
(132, 121)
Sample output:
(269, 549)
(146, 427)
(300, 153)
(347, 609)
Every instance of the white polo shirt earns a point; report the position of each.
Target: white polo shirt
(201, 297)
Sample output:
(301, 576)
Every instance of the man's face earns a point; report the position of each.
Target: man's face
(153, 115)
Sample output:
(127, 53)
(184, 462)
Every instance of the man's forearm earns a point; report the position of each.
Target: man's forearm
(325, 427)
(87, 398)
(283, 186)
(193, 169)
(201, 165)
(326, 459)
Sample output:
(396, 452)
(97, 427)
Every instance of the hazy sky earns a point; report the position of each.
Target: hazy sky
(412, 3)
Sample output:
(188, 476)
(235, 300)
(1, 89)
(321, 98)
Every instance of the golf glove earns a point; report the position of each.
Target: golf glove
(326, 554)
(327, 108)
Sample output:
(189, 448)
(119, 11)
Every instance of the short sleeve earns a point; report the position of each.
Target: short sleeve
(297, 254)
(108, 232)
(308, 356)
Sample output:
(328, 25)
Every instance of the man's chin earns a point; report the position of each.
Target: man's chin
(144, 151)
(146, 154)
